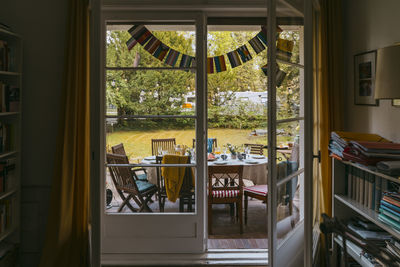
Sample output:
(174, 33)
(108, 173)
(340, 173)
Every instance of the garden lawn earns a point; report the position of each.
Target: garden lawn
(138, 143)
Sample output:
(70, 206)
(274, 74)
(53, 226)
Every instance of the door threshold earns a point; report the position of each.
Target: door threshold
(220, 257)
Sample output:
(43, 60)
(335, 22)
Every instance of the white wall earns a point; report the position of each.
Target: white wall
(369, 25)
(42, 25)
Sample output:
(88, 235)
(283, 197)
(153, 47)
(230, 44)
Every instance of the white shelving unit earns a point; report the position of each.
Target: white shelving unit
(344, 207)
(10, 193)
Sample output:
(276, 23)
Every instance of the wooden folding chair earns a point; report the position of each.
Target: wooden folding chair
(214, 143)
(138, 172)
(167, 144)
(225, 186)
(129, 188)
(256, 149)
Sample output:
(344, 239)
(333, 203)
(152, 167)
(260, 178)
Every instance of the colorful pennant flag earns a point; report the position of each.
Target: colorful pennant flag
(152, 44)
(210, 65)
(219, 62)
(172, 57)
(185, 61)
(142, 39)
(131, 43)
(262, 36)
(256, 44)
(244, 53)
(161, 51)
(135, 29)
(280, 75)
(284, 49)
(234, 59)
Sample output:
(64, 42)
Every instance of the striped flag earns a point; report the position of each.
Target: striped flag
(234, 59)
(284, 49)
(152, 45)
(220, 63)
(186, 60)
(161, 51)
(142, 39)
(262, 36)
(280, 75)
(244, 53)
(210, 65)
(256, 44)
(135, 29)
(131, 43)
(172, 57)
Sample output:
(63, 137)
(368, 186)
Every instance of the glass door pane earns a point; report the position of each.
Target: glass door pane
(152, 131)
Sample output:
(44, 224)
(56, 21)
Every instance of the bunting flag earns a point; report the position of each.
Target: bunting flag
(280, 75)
(185, 61)
(172, 57)
(284, 49)
(234, 59)
(262, 36)
(131, 43)
(135, 29)
(161, 51)
(244, 53)
(152, 45)
(144, 37)
(140, 34)
(219, 62)
(256, 44)
(210, 65)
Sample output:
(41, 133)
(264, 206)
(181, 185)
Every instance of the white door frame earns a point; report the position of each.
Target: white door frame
(98, 145)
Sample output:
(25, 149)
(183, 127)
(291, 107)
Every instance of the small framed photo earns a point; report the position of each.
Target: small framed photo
(364, 79)
(396, 103)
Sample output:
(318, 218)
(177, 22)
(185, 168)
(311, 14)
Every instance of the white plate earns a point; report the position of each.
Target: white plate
(251, 162)
(150, 158)
(258, 157)
(220, 162)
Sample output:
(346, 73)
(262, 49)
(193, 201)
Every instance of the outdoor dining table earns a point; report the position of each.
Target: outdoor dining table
(254, 167)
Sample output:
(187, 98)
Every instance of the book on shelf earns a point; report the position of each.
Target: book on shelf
(7, 174)
(9, 98)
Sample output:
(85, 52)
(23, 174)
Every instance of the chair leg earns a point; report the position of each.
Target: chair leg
(240, 211)
(246, 204)
(210, 219)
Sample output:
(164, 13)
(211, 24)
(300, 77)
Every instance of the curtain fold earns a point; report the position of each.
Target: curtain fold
(328, 100)
(67, 239)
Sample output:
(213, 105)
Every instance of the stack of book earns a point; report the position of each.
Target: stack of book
(9, 98)
(370, 153)
(340, 140)
(389, 211)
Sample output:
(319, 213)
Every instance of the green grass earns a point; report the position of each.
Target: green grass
(138, 143)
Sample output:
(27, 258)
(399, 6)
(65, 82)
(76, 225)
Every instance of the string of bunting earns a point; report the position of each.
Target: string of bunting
(140, 34)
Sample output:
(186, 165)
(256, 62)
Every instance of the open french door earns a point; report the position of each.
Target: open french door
(290, 178)
(125, 235)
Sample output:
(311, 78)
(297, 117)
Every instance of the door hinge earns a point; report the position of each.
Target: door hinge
(318, 156)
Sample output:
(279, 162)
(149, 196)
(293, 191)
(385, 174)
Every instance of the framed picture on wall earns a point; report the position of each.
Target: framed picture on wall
(396, 103)
(364, 78)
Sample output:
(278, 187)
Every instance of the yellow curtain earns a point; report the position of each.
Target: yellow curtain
(328, 95)
(66, 241)
(329, 88)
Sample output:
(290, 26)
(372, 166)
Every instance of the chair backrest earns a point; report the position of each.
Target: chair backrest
(121, 176)
(118, 149)
(256, 149)
(214, 143)
(225, 177)
(188, 181)
(165, 144)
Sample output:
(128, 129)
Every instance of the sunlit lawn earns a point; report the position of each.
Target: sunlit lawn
(138, 143)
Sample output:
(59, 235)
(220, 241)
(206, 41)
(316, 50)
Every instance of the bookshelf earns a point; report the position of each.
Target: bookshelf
(346, 204)
(10, 145)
